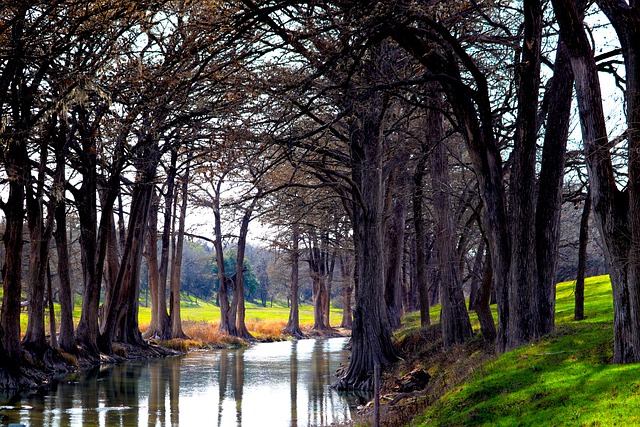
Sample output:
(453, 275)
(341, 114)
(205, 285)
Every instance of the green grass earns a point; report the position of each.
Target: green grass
(564, 379)
(207, 312)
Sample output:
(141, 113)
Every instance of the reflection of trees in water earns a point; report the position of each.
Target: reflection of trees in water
(317, 396)
(123, 394)
(174, 391)
(164, 380)
(157, 391)
(293, 380)
(231, 368)
(238, 384)
(120, 387)
(223, 374)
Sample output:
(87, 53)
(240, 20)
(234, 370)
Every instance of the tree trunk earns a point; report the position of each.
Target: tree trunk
(67, 341)
(53, 333)
(476, 122)
(476, 276)
(93, 240)
(394, 238)
(371, 334)
(293, 324)
(549, 205)
(612, 207)
(329, 284)
(483, 303)
(161, 326)
(241, 328)
(16, 161)
(582, 259)
(39, 236)
(121, 309)
(454, 318)
(625, 18)
(176, 267)
(522, 295)
(422, 256)
(153, 270)
(346, 274)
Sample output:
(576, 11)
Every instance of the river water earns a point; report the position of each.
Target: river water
(268, 384)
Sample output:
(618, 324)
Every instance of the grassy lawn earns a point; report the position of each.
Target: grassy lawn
(564, 379)
(206, 312)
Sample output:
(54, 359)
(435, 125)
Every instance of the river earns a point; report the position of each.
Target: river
(268, 384)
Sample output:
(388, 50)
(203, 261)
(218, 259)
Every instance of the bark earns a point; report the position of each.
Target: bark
(318, 272)
(522, 296)
(625, 18)
(476, 276)
(615, 211)
(227, 323)
(394, 237)
(482, 309)
(67, 341)
(293, 324)
(549, 206)
(346, 274)
(454, 318)
(110, 275)
(161, 322)
(329, 285)
(241, 328)
(121, 310)
(153, 270)
(476, 123)
(40, 231)
(93, 233)
(371, 334)
(582, 259)
(53, 333)
(176, 266)
(422, 255)
(16, 161)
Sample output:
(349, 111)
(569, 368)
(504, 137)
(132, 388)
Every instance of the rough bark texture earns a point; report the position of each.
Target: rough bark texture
(293, 324)
(318, 272)
(625, 18)
(371, 334)
(346, 274)
(394, 238)
(582, 259)
(174, 314)
(522, 298)
(153, 269)
(482, 309)
(422, 258)
(549, 206)
(16, 160)
(241, 328)
(615, 211)
(67, 341)
(454, 318)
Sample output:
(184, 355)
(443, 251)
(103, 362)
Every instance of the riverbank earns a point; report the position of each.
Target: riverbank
(564, 379)
(39, 366)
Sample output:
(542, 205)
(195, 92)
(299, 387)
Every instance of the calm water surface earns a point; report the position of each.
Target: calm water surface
(271, 384)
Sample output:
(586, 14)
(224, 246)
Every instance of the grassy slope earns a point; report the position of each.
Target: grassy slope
(565, 379)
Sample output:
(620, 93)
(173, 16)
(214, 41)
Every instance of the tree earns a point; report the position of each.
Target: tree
(615, 210)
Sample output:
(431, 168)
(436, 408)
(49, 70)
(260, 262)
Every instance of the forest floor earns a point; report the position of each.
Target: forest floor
(564, 379)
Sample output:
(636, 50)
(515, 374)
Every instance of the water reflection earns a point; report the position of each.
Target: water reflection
(275, 384)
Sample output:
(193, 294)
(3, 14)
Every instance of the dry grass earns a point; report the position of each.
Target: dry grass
(266, 330)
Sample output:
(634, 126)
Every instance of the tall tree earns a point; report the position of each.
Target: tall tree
(615, 210)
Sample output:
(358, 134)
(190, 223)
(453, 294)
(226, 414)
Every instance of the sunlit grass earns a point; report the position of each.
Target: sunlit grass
(564, 379)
